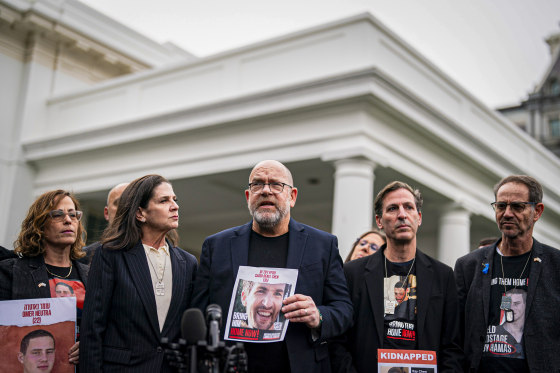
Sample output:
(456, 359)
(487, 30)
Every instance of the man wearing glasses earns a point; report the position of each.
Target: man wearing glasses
(509, 292)
(320, 308)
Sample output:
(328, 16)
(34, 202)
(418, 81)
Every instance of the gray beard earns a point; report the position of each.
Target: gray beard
(268, 222)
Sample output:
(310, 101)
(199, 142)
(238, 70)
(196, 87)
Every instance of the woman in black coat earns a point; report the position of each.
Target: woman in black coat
(49, 243)
(139, 284)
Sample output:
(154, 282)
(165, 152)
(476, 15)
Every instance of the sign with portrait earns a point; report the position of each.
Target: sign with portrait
(255, 310)
(36, 334)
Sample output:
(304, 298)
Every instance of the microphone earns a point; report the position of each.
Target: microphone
(193, 329)
(193, 326)
(214, 319)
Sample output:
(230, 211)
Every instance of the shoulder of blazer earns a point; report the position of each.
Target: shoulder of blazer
(28, 264)
(543, 249)
(300, 227)
(183, 254)
(230, 232)
(83, 270)
(475, 256)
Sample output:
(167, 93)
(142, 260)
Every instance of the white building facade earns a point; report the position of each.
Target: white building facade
(348, 106)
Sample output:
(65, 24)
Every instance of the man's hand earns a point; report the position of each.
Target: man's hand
(301, 308)
(74, 353)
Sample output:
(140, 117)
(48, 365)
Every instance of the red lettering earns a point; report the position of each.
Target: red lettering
(236, 331)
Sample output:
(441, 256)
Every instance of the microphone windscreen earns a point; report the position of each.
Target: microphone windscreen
(214, 312)
(193, 326)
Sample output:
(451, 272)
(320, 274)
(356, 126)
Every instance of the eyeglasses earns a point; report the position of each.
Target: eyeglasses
(59, 215)
(372, 246)
(275, 188)
(514, 206)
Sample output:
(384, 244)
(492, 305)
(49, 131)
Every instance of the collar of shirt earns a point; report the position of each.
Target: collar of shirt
(148, 249)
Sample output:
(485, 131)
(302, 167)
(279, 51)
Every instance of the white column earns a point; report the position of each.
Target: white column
(353, 201)
(454, 234)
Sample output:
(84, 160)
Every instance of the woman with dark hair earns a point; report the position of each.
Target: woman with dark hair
(367, 244)
(139, 284)
(49, 244)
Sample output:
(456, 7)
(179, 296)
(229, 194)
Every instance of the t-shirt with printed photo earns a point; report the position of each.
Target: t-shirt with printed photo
(503, 349)
(400, 306)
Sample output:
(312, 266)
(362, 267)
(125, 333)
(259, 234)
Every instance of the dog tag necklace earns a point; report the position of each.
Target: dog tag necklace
(160, 286)
(505, 304)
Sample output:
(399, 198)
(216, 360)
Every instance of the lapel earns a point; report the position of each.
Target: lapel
(534, 274)
(137, 264)
(39, 275)
(484, 279)
(425, 277)
(239, 248)
(374, 274)
(296, 245)
(179, 287)
(83, 271)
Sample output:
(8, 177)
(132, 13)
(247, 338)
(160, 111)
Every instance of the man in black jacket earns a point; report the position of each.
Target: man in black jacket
(421, 314)
(509, 292)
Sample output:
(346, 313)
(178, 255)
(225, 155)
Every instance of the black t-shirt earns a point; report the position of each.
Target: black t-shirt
(400, 291)
(268, 252)
(503, 349)
(63, 284)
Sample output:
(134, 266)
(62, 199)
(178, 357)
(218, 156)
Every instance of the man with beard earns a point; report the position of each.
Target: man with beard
(319, 309)
(422, 314)
(510, 291)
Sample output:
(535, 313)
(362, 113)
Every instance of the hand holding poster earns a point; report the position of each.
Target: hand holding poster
(36, 334)
(255, 309)
(406, 361)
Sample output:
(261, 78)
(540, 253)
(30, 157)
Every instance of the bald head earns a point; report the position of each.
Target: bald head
(273, 165)
(270, 203)
(113, 201)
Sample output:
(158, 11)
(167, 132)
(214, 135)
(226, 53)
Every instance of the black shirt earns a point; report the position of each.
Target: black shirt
(400, 326)
(64, 282)
(268, 252)
(503, 349)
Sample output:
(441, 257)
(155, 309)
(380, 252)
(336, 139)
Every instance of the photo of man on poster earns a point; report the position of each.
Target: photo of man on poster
(37, 352)
(263, 302)
(63, 289)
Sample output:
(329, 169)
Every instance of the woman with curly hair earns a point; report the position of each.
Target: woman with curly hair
(48, 245)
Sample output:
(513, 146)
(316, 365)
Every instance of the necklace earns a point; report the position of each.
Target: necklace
(506, 299)
(160, 286)
(54, 274)
(390, 305)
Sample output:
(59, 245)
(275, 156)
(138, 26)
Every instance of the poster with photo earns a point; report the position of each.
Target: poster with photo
(36, 334)
(255, 310)
(406, 361)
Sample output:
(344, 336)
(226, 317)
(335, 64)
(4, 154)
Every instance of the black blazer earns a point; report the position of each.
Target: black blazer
(20, 278)
(120, 328)
(437, 319)
(320, 276)
(541, 333)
